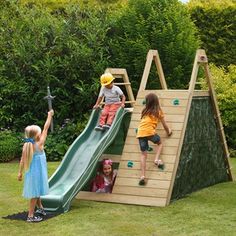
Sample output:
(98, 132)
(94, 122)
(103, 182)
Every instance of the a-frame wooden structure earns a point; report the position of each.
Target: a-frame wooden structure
(162, 185)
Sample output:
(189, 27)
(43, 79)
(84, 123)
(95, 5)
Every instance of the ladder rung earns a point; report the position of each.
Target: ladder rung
(122, 83)
(129, 101)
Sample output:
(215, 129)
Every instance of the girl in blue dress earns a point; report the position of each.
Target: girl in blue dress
(33, 162)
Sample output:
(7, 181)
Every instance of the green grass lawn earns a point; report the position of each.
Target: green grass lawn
(211, 211)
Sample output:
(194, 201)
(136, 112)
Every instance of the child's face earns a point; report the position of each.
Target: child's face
(109, 86)
(107, 169)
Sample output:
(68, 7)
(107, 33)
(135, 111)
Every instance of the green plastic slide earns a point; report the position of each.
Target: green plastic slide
(79, 163)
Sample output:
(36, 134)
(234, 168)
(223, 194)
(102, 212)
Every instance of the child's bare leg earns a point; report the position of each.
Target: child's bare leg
(143, 164)
(32, 205)
(158, 152)
(39, 203)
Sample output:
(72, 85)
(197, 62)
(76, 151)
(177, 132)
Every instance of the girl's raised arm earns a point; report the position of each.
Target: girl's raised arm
(46, 127)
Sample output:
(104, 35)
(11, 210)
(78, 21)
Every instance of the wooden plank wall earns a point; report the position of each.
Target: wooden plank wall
(158, 183)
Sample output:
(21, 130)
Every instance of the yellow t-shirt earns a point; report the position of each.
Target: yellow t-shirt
(148, 124)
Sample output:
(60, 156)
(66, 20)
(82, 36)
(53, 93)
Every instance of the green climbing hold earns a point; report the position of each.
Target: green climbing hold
(130, 164)
(176, 102)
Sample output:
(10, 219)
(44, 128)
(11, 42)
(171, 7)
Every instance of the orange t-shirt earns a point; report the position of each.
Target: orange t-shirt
(148, 124)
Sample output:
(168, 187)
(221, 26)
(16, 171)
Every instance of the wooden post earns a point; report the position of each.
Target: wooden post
(152, 55)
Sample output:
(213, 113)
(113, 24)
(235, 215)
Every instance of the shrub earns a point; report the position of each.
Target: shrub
(215, 21)
(65, 50)
(57, 143)
(224, 80)
(10, 146)
(154, 24)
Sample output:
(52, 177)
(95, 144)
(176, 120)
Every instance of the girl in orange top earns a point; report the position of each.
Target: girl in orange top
(150, 117)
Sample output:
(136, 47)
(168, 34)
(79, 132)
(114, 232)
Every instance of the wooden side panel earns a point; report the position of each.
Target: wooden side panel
(122, 198)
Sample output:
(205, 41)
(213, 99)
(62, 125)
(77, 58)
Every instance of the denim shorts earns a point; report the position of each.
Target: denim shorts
(143, 141)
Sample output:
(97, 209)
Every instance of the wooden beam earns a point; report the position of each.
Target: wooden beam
(121, 198)
(152, 55)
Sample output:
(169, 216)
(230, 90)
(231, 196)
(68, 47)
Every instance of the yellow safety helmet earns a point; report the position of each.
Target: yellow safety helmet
(106, 79)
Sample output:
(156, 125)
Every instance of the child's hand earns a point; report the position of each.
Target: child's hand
(19, 177)
(95, 106)
(122, 105)
(51, 112)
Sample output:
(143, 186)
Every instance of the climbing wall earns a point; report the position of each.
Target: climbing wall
(155, 192)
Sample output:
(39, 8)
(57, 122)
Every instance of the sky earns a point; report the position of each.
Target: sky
(184, 1)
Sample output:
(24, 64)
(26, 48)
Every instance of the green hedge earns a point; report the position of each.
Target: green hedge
(225, 85)
(58, 142)
(70, 47)
(224, 80)
(66, 50)
(10, 146)
(154, 24)
(215, 21)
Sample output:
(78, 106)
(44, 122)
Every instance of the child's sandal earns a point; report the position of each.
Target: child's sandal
(142, 181)
(159, 164)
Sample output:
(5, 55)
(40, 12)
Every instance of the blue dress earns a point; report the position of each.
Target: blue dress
(36, 178)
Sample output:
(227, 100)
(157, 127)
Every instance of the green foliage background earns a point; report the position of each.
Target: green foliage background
(154, 24)
(69, 48)
(216, 23)
(68, 45)
(10, 145)
(63, 50)
(224, 80)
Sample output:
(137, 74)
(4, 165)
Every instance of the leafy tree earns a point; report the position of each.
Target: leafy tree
(154, 24)
(224, 80)
(215, 21)
(66, 51)
(211, 3)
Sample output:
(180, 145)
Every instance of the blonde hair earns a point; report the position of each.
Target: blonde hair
(31, 131)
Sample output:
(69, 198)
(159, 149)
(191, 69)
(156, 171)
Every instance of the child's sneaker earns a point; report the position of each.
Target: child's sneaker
(99, 128)
(142, 181)
(159, 164)
(41, 211)
(106, 126)
(34, 219)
